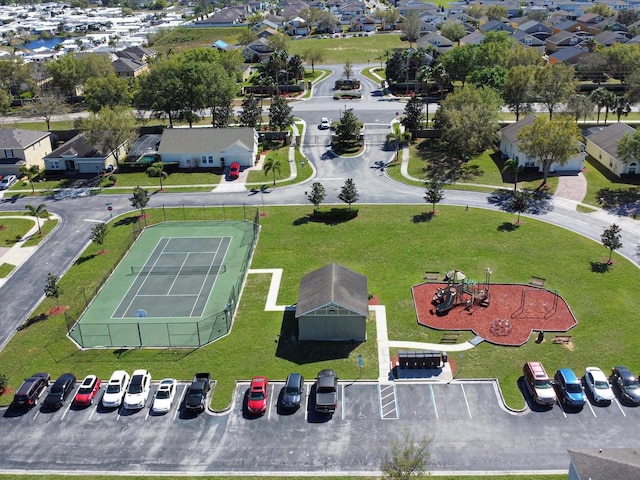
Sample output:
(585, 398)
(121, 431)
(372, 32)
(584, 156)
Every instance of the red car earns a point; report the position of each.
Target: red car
(258, 395)
(234, 170)
(87, 391)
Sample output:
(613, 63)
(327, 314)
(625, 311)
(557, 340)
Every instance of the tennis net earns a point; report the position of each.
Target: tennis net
(179, 270)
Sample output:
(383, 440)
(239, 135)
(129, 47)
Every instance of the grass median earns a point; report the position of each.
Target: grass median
(393, 246)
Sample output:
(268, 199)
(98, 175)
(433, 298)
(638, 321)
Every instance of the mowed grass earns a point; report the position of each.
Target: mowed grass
(393, 247)
(598, 177)
(356, 49)
(324, 477)
(185, 38)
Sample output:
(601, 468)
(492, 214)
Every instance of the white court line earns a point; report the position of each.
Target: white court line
(619, 406)
(465, 400)
(433, 399)
(175, 279)
(224, 255)
(175, 295)
(91, 220)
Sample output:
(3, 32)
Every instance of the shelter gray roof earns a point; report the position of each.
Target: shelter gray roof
(606, 464)
(607, 138)
(18, 138)
(333, 284)
(199, 140)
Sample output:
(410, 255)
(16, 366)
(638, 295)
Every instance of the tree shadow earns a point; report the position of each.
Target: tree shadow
(423, 217)
(600, 267)
(127, 221)
(85, 258)
(538, 201)
(301, 353)
(508, 227)
(334, 216)
(33, 320)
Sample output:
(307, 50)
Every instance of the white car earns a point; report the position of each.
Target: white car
(116, 389)
(163, 401)
(325, 123)
(8, 181)
(138, 391)
(598, 384)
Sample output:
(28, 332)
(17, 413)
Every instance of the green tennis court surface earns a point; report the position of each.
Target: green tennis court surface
(178, 285)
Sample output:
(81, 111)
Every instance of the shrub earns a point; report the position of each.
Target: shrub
(4, 381)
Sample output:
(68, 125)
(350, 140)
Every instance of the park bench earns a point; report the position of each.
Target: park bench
(537, 281)
(562, 339)
(431, 276)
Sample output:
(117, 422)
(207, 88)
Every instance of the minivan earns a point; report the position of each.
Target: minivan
(539, 383)
(293, 391)
(31, 389)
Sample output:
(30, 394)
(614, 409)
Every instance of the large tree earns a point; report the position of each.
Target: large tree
(453, 30)
(280, 116)
(313, 55)
(317, 194)
(37, 212)
(611, 239)
(434, 193)
(469, 120)
(554, 84)
(411, 27)
(46, 106)
(251, 114)
(579, 106)
(628, 147)
(349, 193)
(413, 114)
(158, 90)
(518, 90)
(99, 235)
(550, 141)
(140, 199)
(110, 91)
(109, 130)
(348, 130)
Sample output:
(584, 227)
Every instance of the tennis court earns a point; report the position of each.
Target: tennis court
(178, 285)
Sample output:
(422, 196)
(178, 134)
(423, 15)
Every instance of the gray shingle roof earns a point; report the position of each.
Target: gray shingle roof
(607, 138)
(17, 138)
(511, 131)
(77, 147)
(607, 464)
(198, 140)
(335, 284)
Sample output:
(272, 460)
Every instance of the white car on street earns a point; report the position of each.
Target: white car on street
(116, 389)
(325, 123)
(163, 401)
(138, 391)
(598, 384)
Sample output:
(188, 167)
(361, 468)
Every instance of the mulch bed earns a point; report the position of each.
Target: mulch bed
(509, 319)
(57, 310)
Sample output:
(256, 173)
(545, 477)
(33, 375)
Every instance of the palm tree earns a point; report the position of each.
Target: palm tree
(427, 76)
(512, 164)
(599, 97)
(39, 212)
(31, 173)
(397, 136)
(272, 165)
(157, 170)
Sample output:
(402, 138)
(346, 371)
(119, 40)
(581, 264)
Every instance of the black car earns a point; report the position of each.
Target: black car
(293, 391)
(31, 389)
(61, 389)
(627, 384)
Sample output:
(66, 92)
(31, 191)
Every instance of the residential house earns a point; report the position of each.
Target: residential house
(78, 156)
(588, 22)
(22, 148)
(436, 40)
(562, 39)
(127, 68)
(608, 38)
(333, 305)
(227, 17)
(568, 55)
(266, 24)
(611, 25)
(496, 26)
(209, 147)
(137, 53)
(297, 26)
(536, 29)
(530, 41)
(365, 23)
(603, 147)
(509, 147)
(257, 51)
(473, 38)
(267, 32)
(604, 464)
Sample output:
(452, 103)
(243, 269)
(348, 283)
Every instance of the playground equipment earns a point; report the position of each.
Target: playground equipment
(523, 301)
(461, 291)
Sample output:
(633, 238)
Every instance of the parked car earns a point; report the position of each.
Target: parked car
(234, 170)
(569, 388)
(116, 389)
(627, 384)
(196, 399)
(258, 395)
(326, 391)
(293, 391)
(163, 401)
(138, 391)
(87, 391)
(61, 389)
(598, 385)
(538, 383)
(325, 123)
(8, 181)
(31, 390)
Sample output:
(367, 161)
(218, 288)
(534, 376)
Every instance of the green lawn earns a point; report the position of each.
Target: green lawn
(356, 49)
(393, 236)
(282, 172)
(598, 177)
(182, 39)
(13, 229)
(181, 477)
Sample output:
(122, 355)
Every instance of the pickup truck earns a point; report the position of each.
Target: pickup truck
(197, 393)
(326, 391)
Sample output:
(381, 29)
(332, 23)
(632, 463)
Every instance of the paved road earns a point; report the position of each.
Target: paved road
(222, 444)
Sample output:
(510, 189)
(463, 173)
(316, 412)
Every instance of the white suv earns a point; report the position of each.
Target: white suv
(325, 123)
(138, 391)
(116, 389)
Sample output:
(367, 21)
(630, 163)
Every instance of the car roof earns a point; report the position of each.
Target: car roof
(89, 379)
(65, 377)
(568, 375)
(140, 371)
(327, 373)
(294, 377)
(596, 373)
(624, 371)
(118, 375)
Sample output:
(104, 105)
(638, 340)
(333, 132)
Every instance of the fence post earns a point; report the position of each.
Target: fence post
(139, 334)
(204, 213)
(164, 213)
(198, 330)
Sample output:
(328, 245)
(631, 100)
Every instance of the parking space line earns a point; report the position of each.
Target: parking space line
(95, 407)
(433, 399)
(306, 406)
(465, 400)
(184, 391)
(561, 408)
(342, 402)
(592, 410)
(148, 410)
(388, 400)
(66, 410)
(619, 406)
(273, 389)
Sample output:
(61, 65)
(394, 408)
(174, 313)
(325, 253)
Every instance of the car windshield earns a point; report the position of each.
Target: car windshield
(292, 391)
(631, 383)
(573, 388)
(135, 388)
(602, 384)
(113, 388)
(162, 394)
(57, 388)
(257, 396)
(85, 390)
(543, 383)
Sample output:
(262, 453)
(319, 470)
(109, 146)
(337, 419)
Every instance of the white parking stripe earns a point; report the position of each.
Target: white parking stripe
(619, 406)
(342, 402)
(592, 411)
(273, 388)
(95, 407)
(433, 399)
(561, 408)
(306, 410)
(184, 391)
(465, 400)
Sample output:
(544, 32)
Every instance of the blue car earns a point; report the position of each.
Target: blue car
(569, 388)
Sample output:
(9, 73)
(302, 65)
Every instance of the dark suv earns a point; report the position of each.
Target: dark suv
(31, 389)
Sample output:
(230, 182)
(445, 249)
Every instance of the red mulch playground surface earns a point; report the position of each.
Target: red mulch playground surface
(514, 311)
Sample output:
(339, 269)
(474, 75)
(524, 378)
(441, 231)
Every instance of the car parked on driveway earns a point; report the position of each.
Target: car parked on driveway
(87, 391)
(258, 395)
(234, 170)
(627, 384)
(61, 389)
(8, 182)
(116, 389)
(138, 391)
(31, 389)
(598, 385)
(569, 388)
(163, 401)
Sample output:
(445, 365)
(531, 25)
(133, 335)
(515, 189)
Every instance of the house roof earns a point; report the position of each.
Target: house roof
(333, 284)
(14, 138)
(123, 65)
(604, 464)
(201, 140)
(609, 38)
(77, 147)
(569, 54)
(511, 131)
(607, 138)
(136, 53)
(474, 38)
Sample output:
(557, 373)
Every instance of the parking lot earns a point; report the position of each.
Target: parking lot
(467, 421)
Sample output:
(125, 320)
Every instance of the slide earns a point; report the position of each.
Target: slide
(447, 301)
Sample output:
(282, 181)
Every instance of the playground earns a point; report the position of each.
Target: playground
(502, 314)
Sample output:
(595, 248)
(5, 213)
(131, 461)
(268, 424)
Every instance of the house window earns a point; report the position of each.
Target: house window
(8, 153)
(211, 159)
(203, 159)
(55, 164)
